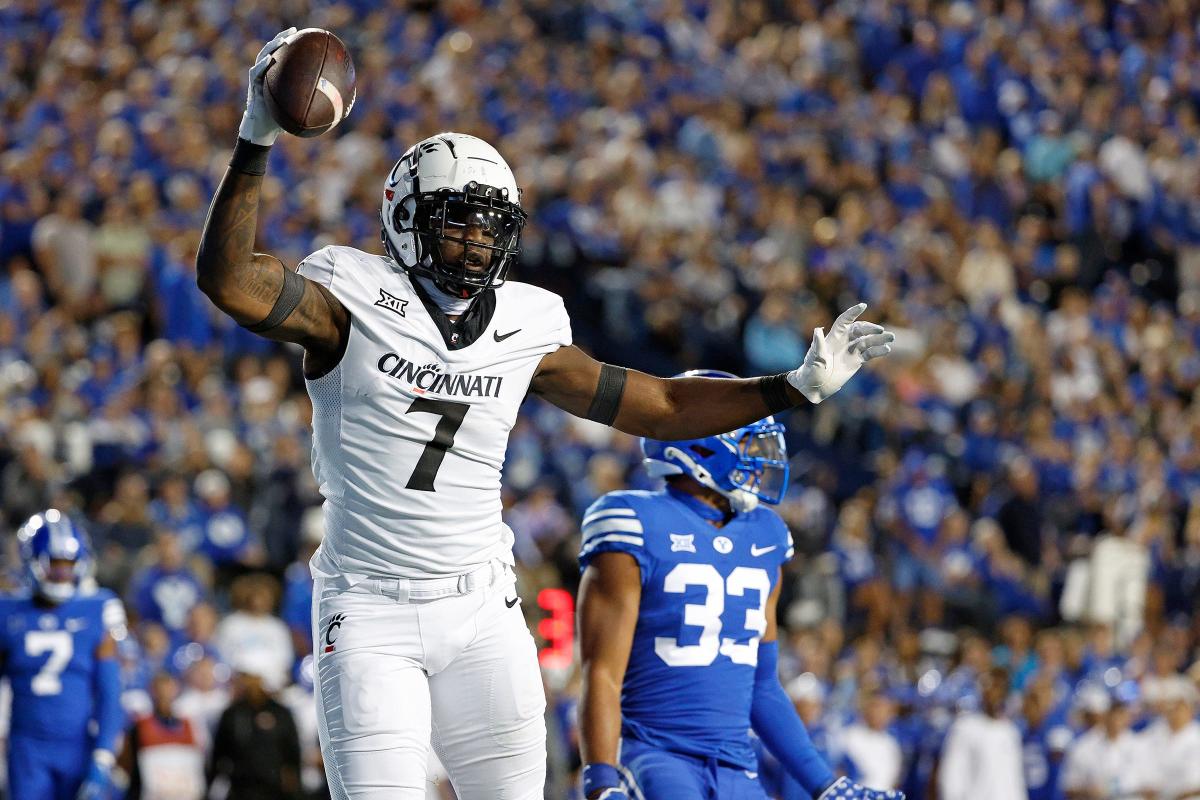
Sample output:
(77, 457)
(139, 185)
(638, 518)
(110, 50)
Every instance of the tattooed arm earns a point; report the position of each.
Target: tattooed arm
(256, 289)
(245, 284)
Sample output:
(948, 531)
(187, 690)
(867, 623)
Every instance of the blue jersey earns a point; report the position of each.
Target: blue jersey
(48, 654)
(1042, 752)
(167, 597)
(690, 680)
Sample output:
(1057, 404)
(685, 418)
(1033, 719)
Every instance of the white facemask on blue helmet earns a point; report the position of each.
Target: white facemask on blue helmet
(748, 465)
(53, 536)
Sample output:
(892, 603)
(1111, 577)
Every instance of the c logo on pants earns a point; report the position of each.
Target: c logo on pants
(335, 622)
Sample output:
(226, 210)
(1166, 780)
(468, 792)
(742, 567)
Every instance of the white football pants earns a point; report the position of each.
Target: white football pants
(401, 662)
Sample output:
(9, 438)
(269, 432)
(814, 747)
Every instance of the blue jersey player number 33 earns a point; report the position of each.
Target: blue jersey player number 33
(677, 609)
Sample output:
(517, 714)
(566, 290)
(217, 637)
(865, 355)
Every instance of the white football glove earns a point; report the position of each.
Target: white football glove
(258, 126)
(832, 360)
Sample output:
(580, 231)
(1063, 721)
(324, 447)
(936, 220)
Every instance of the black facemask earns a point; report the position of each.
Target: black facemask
(466, 241)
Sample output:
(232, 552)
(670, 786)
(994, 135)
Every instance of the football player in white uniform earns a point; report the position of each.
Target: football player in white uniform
(416, 363)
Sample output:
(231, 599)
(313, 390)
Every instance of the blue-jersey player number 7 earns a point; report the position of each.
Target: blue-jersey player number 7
(707, 615)
(60, 647)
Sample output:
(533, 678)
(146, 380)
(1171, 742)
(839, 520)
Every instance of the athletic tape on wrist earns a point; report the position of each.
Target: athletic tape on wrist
(249, 158)
(774, 392)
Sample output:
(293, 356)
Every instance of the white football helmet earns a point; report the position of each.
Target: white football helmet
(452, 213)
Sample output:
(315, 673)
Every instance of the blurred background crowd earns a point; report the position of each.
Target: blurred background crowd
(997, 530)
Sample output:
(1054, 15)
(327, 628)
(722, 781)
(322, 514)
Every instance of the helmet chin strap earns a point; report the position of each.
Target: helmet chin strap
(740, 500)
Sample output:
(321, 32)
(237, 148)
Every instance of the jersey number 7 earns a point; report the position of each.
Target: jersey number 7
(60, 646)
(707, 615)
(430, 462)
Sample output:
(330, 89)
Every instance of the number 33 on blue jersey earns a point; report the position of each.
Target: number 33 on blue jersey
(707, 615)
(704, 589)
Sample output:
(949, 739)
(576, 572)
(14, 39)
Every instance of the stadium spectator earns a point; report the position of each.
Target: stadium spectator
(1108, 760)
(174, 509)
(253, 632)
(982, 756)
(1046, 735)
(228, 541)
(64, 243)
(256, 750)
(163, 755)
(165, 591)
(198, 639)
(870, 746)
(867, 594)
(1119, 571)
(1021, 516)
(1173, 742)
(203, 698)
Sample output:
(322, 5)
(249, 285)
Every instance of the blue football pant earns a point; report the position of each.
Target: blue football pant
(655, 774)
(42, 770)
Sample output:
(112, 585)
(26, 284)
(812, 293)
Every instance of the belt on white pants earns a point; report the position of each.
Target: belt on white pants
(404, 589)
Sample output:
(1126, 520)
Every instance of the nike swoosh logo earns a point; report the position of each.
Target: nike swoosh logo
(513, 602)
(496, 335)
(757, 551)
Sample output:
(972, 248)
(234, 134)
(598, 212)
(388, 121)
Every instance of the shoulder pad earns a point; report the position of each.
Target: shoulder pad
(319, 266)
(525, 302)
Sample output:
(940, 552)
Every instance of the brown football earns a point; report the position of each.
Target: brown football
(310, 86)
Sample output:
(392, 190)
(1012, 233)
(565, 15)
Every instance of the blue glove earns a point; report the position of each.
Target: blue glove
(606, 778)
(99, 777)
(845, 789)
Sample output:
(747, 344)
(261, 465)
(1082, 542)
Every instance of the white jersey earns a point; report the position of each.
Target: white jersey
(411, 427)
(877, 755)
(1113, 768)
(1172, 760)
(982, 759)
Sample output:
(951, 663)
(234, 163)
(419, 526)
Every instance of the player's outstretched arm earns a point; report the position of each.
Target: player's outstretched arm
(609, 595)
(670, 409)
(256, 289)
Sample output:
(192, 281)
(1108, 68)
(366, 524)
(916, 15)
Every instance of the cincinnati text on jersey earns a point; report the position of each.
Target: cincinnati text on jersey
(429, 378)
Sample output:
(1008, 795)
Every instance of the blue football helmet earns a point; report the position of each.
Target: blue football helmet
(746, 465)
(53, 536)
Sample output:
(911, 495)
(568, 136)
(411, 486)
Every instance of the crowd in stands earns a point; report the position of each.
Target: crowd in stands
(997, 530)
